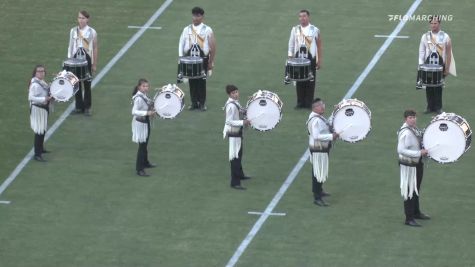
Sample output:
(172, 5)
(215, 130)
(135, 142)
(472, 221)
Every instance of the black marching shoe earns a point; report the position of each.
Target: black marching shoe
(245, 177)
(142, 173)
(325, 194)
(45, 151)
(39, 158)
(150, 165)
(422, 216)
(77, 111)
(320, 202)
(412, 223)
(203, 107)
(238, 187)
(192, 107)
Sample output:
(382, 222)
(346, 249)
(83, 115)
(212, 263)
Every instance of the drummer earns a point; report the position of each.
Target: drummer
(305, 41)
(436, 48)
(83, 44)
(409, 148)
(198, 36)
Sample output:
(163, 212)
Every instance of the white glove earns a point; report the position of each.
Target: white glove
(185, 80)
(210, 72)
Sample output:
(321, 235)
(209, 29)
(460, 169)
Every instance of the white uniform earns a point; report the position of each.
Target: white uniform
(409, 150)
(82, 38)
(303, 35)
(437, 42)
(319, 138)
(233, 126)
(140, 109)
(37, 95)
(195, 35)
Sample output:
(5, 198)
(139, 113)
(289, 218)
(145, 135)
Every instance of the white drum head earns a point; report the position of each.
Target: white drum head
(444, 140)
(263, 113)
(168, 104)
(352, 122)
(62, 89)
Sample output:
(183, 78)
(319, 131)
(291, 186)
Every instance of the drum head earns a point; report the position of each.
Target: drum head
(191, 60)
(445, 140)
(263, 113)
(75, 62)
(298, 62)
(352, 122)
(168, 104)
(62, 89)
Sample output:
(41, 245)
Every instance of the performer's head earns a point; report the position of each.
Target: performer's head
(142, 85)
(410, 117)
(232, 91)
(39, 72)
(197, 15)
(83, 18)
(318, 106)
(304, 17)
(434, 21)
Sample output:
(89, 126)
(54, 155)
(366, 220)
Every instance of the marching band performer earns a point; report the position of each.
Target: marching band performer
(320, 137)
(39, 108)
(306, 41)
(233, 128)
(409, 148)
(142, 110)
(198, 36)
(436, 48)
(83, 44)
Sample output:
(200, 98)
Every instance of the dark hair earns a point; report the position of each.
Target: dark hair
(230, 88)
(197, 11)
(139, 83)
(84, 13)
(316, 101)
(409, 112)
(36, 68)
(433, 17)
(305, 11)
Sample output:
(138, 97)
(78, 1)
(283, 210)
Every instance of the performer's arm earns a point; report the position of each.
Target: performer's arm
(95, 53)
(230, 111)
(448, 56)
(319, 50)
(136, 111)
(316, 132)
(181, 43)
(291, 50)
(34, 92)
(212, 50)
(422, 50)
(71, 43)
(403, 144)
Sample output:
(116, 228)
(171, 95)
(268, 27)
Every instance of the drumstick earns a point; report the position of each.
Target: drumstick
(432, 147)
(346, 128)
(255, 117)
(166, 104)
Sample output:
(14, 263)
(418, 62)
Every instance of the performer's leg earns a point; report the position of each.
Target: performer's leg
(201, 93)
(87, 94)
(309, 94)
(409, 207)
(316, 188)
(140, 163)
(437, 98)
(42, 142)
(146, 162)
(79, 99)
(193, 93)
(419, 175)
(430, 98)
(300, 88)
(38, 146)
(241, 172)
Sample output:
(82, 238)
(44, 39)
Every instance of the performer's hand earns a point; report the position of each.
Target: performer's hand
(210, 72)
(335, 136)
(318, 66)
(247, 122)
(151, 112)
(93, 67)
(424, 152)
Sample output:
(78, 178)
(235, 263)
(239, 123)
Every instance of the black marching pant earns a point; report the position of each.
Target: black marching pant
(305, 93)
(434, 98)
(142, 153)
(236, 168)
(198, 88)
(39, 141)
(84, 102)
(317, 187)
(411, 205)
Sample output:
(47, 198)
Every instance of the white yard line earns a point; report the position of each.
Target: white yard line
(142, 27)
(96, 80)
(392, 36)
(257, 226)
(272, 214)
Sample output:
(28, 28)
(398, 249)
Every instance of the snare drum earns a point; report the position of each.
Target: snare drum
(64, 86)
(169, 101)
(447, 137)
(191, 68)
(351, 120)
(298, 69)
(430, 75)
(78, 66)
(264, 110)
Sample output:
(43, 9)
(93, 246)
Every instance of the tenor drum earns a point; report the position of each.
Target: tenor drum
(64, 86)
(191, 68)
(298, 69)
(264, 110)
(447, 137)
(78, 66)
(352, 120)
(169, 101)
(430, 75)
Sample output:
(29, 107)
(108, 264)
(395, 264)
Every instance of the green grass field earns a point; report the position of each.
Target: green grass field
(86, 206)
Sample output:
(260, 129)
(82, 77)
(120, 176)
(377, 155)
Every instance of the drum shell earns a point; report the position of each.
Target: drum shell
(64, 86)
(264, 110)
(298, 69)
(358, 113)
(191, 67)
(430, 75)
(77, 66)
(169, 102)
